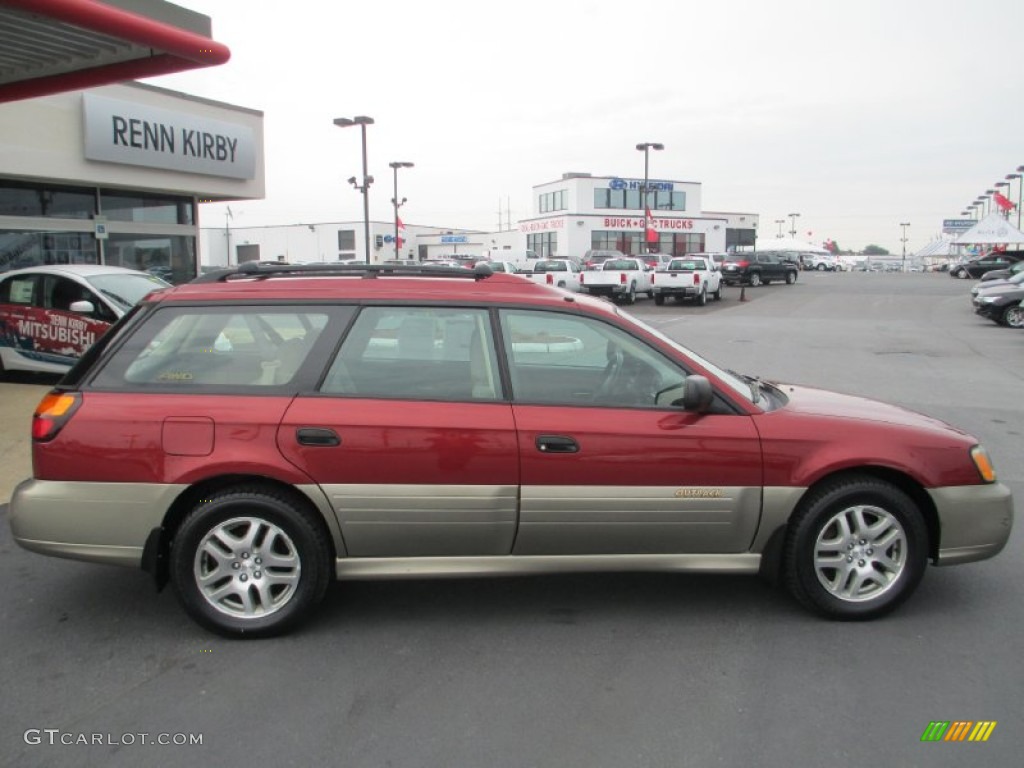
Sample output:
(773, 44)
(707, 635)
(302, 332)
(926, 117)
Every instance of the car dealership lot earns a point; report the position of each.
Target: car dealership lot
(577, 670)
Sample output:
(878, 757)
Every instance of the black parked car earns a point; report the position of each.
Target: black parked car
(761, 267)
(983, 264)
(1004, 274)
(1002, 305)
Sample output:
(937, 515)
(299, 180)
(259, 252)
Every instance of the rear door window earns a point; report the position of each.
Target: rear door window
(417, 353)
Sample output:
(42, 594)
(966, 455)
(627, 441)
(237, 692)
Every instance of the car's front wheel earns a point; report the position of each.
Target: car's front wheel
(962, 274)
(790, 278)
(1013, 316)
(250, 561)
(856, 548)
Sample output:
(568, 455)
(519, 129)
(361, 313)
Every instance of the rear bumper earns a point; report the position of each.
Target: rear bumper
(97, 522)
(974, 521)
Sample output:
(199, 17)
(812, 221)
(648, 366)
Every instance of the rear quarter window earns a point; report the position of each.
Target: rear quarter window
(244, 349)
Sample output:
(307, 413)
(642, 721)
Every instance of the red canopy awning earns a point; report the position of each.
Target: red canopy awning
(51, 46)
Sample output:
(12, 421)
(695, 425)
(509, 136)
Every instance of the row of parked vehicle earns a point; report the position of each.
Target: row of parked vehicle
(622, 278)
(999, 294)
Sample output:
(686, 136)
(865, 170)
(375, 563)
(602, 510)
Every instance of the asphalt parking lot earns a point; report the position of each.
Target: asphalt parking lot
(594, 671)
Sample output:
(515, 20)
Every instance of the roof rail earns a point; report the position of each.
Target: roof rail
(250, 270)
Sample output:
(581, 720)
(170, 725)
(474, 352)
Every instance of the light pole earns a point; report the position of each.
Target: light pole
(780, 222)
(988, 200)
(980, 202)
(362, 121)
(792, 226)
(646, 147)
(904, 239)
(395, 201)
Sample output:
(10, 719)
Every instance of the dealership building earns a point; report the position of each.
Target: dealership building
(572, 215)
(114, 175)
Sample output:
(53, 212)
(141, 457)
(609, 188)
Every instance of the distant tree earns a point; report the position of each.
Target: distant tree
(875, 250)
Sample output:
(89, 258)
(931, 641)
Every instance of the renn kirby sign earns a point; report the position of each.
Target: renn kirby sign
(137, 134)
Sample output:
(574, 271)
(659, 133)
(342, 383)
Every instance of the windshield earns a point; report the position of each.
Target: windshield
(125, 289)
(738, 385)
(688, 264)
(619, 264)
(550, 266)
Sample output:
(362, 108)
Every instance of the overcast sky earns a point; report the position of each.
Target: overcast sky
(858, 116)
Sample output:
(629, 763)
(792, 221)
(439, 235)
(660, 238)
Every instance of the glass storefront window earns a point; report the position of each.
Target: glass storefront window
(119, 205)
(171, 257)
(24, 199)
(20, 248)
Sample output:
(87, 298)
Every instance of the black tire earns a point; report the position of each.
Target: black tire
(659, 299)
(631, 296)
(702, 298)
(755, 279)
(790, 278)
(822, 267)
(284, 529)
(1012, 317)
(888, 577)
(718, 292)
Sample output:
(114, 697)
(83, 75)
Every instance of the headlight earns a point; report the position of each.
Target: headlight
(988, 299)
(984, 464)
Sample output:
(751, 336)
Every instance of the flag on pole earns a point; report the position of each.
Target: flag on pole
(652, 235)
(1003, 203)
(401, 232)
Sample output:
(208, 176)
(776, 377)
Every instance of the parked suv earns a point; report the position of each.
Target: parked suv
(760, 268)
(257, 433)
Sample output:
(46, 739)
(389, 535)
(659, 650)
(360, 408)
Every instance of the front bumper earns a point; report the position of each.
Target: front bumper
(974, 521)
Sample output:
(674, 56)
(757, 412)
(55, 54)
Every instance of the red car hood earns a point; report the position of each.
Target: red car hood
(821, 402)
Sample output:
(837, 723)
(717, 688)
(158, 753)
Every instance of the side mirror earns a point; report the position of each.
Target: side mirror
(82, 307)
(697, 394)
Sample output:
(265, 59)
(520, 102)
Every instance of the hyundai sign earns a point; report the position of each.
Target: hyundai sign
(667, 186)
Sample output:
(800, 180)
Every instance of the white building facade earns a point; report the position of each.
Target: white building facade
(113, 175)
(580, 212)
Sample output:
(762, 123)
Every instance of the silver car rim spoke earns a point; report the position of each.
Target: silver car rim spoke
(860, 553)
(247, 568)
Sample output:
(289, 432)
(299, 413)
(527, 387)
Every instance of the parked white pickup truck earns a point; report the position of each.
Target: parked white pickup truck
(561, 273)
(620, 279)
(688, 277)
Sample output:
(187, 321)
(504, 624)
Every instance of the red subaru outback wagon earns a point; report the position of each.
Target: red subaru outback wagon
(255, 433)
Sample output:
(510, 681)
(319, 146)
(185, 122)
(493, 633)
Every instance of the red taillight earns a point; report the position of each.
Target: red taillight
(743, 264)
(52, 413)
(581, 278)
(622, 278)
(549, 278)
(696, 279)
(652, 279)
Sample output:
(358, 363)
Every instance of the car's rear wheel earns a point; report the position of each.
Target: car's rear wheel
(821, 267)
(1013, 316)
(755, 279)
(702, 298)
(659, 299)
(855, 549)
(718, 293)
(631, 296)
(962, 274)
(790, 278)
(250, 561)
